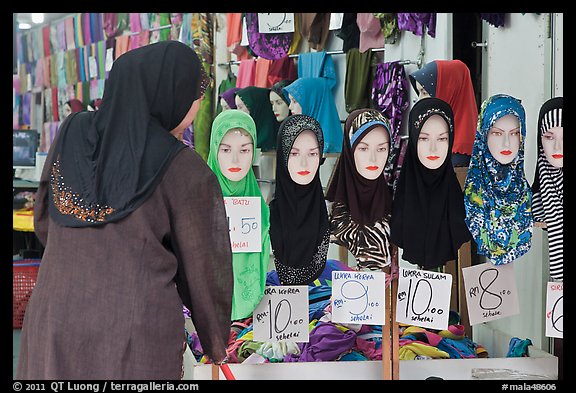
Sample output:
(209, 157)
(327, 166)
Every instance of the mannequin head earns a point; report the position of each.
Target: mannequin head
(553, 145)
(304, 158)
(279, 106)
(433, 142)
(72, 106)
(240, 104)
(504, 139)
(235, 154)
(422, 93)
(224, 104)
(294, 106)
(371, 153)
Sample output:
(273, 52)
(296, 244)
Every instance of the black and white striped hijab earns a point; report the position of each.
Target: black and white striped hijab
(548, 189)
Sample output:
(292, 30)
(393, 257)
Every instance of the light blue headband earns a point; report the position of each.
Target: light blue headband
(360, 131)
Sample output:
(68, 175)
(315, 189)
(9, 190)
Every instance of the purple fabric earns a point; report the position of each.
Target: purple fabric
(415, 22)
(268, 46)
(188, 136)
(326, 343)
(390, 96)
(494, 18)
(229, 96)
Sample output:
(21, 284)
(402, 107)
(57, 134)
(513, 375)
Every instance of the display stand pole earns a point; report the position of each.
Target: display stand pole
(215, 372)
(390, 336)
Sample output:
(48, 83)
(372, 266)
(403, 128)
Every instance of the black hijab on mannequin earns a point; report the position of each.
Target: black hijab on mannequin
(428, 208)
(108, 162)
(299, 228)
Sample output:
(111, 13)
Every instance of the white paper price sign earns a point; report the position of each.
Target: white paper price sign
(335, 21)
(244, 222)
(282, 314)
(490, 292)
(281, 22)
(555, 310)
(358, 297)
(423, 298)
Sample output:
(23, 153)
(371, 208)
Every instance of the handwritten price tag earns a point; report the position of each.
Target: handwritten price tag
(282, 314)
(280, 22)
(555, 310)
(244, 222)
(423, 298)
(358, 297)
(490, 292)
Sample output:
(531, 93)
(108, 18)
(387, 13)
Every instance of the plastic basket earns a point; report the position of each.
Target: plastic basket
(24, 273)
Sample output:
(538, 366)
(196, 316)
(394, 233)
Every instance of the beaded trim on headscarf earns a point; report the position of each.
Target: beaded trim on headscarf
(430, 112)
(68, 202)
(294, 126)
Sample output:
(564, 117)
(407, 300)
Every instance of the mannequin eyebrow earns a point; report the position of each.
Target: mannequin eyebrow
(513, 129)
(364, 143)
(244, 144)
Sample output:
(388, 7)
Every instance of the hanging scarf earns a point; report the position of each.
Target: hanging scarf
(349, 32)
(390, 96)
(204, 117)
(249, 268)
(361, 208)
(314, 28)
(358, 77)
(317, 64)
(497, 196)
(280, 69)
(316, 99)
(270, 46)
(299, 228)
(428, 210)
(416, 22)
(548, 188)
(257, 100)
(108, 162)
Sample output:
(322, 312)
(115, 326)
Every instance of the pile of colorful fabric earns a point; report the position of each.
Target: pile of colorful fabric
(329, 341)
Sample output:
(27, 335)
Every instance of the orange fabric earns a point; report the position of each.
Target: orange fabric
(454, 86)
(261, 72)
(121, 45)
(234, 32)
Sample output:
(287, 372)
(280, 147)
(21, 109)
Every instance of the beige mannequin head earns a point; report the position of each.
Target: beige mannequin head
(279, 106)
(304, 159)
(433, 142)
(553, 145)
(235, 154)
(371, 153)
(504, 139)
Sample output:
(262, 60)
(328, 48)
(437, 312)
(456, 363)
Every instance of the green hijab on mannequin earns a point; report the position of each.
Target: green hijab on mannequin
(250, 268)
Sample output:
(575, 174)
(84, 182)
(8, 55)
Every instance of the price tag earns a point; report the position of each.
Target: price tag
(244, 223)
(276, 22)
(423, 298)
(358, 297)
(282, 314)
(490, 292)
(335, 20)
(555, 310)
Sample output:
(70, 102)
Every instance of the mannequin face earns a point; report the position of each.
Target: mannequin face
(371, 153)
(66, 111)
(433, 142)
(188, 119)
(294, 106)
(241, 105)
(224, 105)
(279, 106)
(422, 93)
(235, 154)
(504, 139)
(304, 158)
(553, 145)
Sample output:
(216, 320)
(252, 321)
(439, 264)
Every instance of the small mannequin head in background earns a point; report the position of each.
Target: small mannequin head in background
(504, 139)
(94, 105)
(295, 107)
(72, 106)
(227, 99)
(280, 105)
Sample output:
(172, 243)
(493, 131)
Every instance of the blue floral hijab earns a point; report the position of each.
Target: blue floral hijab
(497, 196)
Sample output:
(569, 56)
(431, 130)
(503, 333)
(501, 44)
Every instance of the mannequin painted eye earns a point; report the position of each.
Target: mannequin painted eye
(304, 158)
(504, 139)
(553, 145)
(433, 142)
(371, 153)
(235, 154)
